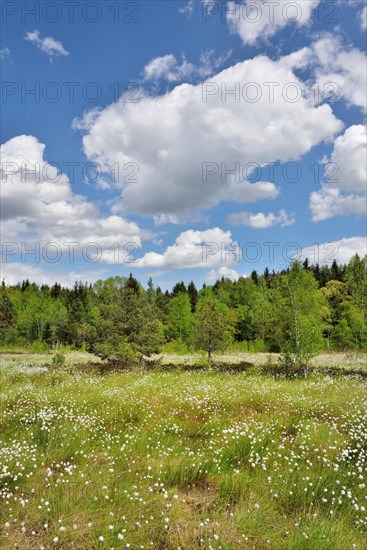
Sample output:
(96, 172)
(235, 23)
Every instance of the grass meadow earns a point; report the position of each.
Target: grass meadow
(181, 459)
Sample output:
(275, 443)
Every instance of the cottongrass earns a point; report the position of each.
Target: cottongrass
(182, 460)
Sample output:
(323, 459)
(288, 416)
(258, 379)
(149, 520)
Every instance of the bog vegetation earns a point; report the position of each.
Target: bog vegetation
(181, 460)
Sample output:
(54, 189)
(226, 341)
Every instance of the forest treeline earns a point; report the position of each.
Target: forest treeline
(299, 312)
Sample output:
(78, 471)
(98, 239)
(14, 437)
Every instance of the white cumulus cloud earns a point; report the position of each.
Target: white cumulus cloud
(187, 141)
(38, 204)
(4, 54)
(260, 220)
(47, 45)
(363, 18)
(262, 19)
(340, 71)
(215, 274)
(344, 192)
(187, 9)
(193, 249)
(167, 68)
(16, 272)
(341, 250)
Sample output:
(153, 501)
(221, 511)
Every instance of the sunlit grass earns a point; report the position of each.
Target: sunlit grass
(182, 460)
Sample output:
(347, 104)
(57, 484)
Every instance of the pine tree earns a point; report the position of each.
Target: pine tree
(193, 295)
(7, 315)
(128, 326)
(267, 277)
(306, 264)
(255, 277)
(133, 284)
(179, 287)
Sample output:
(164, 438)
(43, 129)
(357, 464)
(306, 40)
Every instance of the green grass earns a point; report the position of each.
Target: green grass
(170, 460)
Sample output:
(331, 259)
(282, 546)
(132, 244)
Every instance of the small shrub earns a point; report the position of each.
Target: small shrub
(39, 347)
(254, 370)
(204, 362)
(120, 354)
(58, 361)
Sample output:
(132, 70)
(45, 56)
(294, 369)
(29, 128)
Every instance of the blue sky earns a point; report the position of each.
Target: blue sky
(144, 89)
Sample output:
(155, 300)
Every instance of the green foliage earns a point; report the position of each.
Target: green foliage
(39, 347)
(193, 295)
(346, 323)
(127, 326)
(213, 327)
(302, 315)
(203, 361)
(295, 311)
(176, 347)
(181, 317)
(117, 353)
(58, 361)
(7, 317)
(356, 281)
(252, 346)
(181, 460)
